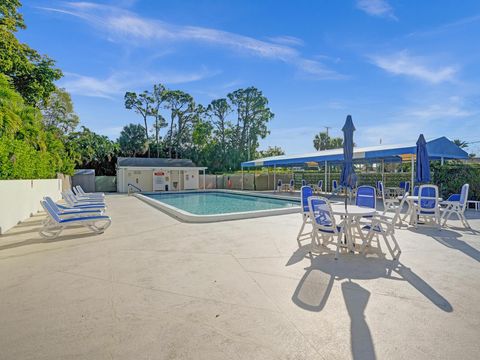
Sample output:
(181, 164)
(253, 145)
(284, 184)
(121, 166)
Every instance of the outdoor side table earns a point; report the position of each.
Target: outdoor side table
(476, 204)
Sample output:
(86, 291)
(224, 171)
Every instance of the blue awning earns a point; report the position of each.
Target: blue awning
(437, 149)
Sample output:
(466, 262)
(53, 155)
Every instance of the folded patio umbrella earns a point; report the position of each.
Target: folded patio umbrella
(348, 177)
(423, 163)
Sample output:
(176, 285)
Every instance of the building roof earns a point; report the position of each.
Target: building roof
(437, 149)
(84, 172)
(154, 162)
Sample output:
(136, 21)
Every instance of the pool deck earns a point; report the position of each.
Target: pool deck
(152, 287)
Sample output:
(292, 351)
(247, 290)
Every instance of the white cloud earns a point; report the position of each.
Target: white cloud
(287, 40)
(120, 82)
(380, 8)
(450, 117)
(440, 111)
(451, 108)
(125, 26)
(402, 63)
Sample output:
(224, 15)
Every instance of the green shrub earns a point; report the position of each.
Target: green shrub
(450, 177)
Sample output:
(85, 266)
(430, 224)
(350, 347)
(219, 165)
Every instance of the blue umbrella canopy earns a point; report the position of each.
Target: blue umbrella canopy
(423, 164)
(348, 178)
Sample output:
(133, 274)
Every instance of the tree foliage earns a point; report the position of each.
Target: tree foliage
(322, 141)
(253, 114)
(93, 151)
(28, 149)
(142, 104)
(58, 111)
(271, 151)
(219, 136)
(132, 140)
(460, 143)
(32, 75)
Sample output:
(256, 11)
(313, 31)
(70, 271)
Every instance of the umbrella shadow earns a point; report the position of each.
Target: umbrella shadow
(356, 299)
(315, 286)
(451, 239)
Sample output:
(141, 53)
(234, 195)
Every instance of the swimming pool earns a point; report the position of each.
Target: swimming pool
(215, 205)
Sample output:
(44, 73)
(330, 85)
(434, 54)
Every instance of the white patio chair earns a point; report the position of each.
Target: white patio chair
(427, 207)
(305, 193)
(325, 229)
(397, 209)
(291, 185)
(383, 226)
(319, 187)
(55, 224)
(388, 203)
(457, 207)
(279, 185)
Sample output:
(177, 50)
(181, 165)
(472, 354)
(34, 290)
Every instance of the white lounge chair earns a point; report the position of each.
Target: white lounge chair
(80, 192)
(74, 202)
(65, 211)
(325, 229)
(84, 197)
(456, 207)
(55, 224)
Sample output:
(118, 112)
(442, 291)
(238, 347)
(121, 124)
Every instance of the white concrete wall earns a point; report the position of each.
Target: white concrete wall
(20, 199)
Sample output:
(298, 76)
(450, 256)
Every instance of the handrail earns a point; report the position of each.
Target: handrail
(133, 186)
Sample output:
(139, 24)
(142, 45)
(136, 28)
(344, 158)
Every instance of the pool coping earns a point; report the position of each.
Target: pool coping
(186, 216)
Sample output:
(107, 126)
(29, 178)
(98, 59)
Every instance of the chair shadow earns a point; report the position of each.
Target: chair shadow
(40, 240)
(15, 233)
(315, 286)
(451, 239)
(29, 223)
(356, 299)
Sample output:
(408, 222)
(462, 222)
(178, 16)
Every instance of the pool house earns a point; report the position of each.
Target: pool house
(158, 174)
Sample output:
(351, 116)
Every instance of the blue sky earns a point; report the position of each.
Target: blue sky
(400, 68)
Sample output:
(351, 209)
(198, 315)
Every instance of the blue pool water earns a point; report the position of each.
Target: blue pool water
(209, 203)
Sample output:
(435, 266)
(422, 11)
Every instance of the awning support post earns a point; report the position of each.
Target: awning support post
(413, 172)
(268, 178)
(204, 178)
(325, 185)
(383, 172)
(275, 177)
(242, 178)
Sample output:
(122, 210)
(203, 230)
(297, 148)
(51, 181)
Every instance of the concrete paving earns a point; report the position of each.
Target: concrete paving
(152, 287)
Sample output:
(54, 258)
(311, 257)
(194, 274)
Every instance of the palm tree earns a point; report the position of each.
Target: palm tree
(322, 141)
(460, 143)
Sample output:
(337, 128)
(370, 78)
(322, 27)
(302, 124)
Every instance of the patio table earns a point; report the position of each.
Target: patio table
(395, 191)
(351, 214)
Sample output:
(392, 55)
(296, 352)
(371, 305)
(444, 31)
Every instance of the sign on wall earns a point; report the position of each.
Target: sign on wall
(161, 180)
